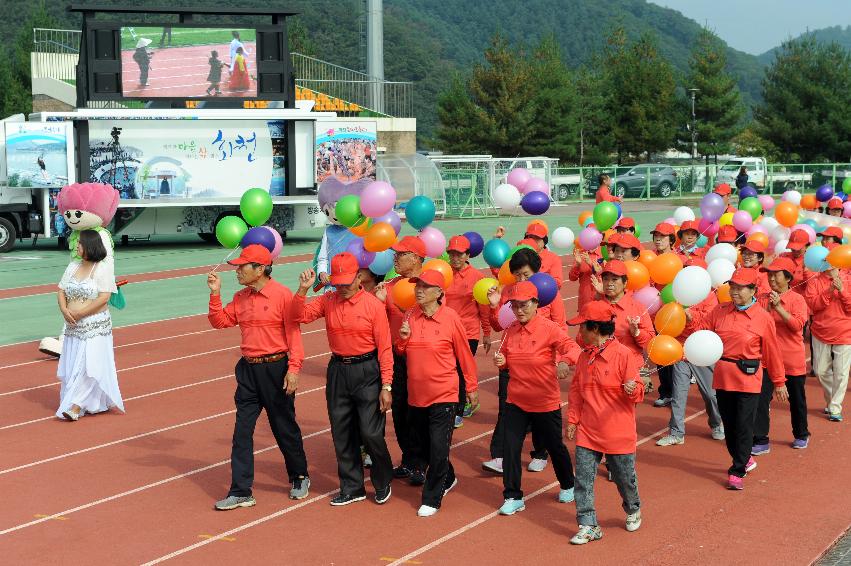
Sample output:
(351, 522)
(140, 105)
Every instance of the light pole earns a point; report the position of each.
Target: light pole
(693, 92)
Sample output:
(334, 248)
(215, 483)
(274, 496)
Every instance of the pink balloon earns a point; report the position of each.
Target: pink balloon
(707, 227)
(519, 177)
(756, 228)
(742, 220)
(808, 229)
(846, 209)
(505, 316)
(649, 297)
(377, 199)
(670, 221)
(536, 184)
(590, 238)
(279, 243)
(767, 202)
(434, 240)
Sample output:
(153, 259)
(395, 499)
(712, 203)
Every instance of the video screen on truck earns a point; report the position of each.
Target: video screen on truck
(188, 62)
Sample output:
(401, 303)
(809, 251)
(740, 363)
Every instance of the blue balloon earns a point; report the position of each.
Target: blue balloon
(588, 222)
(814, 258)
(420, 212)
(620, 211)
(701, 241)
(259, 235)
(547, 288)
(535, 203)
(747, 192)
(496, 252)
(382, 263)
(811, 223)
(841, 196)
(824, 193)
(477, 243)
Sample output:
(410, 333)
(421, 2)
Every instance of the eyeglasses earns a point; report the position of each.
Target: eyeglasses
(521, 305)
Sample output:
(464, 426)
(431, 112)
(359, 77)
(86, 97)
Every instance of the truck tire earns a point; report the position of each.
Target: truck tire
(620, 190)
(563, 192)
(8, 234)
(207, 237)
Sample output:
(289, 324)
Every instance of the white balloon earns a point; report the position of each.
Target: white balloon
(792, 196)
(683, 214)
(769, 224)
(691, 285)
(723, 250)
(780, 233)
(506, 196)
(720, 271)
(563, 237)
(703, 348)
(781, 247)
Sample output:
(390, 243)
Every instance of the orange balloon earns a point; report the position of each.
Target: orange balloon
(759, 237)
(444, 268)
(379, 237)
(583, 216)
(840, 256)
(670, 320)
(723, 293)
(646, 257)
(361, 229)
(665, 267)
(403, 293)
(665, 350)
(809, 202)
(637, 275)
(505, 277)
(608, 234)
(786, 214)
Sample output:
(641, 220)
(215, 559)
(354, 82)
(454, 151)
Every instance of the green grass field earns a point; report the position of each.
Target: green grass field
(183, 37)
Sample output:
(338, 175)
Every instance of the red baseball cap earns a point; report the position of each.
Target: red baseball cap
(614, 239)
(527, 242)
(255, 253)
(755, 246)
(597, 311)
(615, 267)
(626, 222)
(745, 276)
(629, 241)
(834, 232)
(689, 225)
(521, 291)
(458, 244)
(536, 229)
(663, 228)
(694, 260)
(798, 240)
(781, 264)
(722, 189)
(727, 235)
(835, 202)
(431, 277)
(410, 244)
(344, 268)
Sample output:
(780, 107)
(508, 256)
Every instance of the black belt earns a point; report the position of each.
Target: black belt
(731, 360)
(354, 359)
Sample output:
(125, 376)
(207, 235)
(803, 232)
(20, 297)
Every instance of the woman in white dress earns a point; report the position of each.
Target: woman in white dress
(87, 366)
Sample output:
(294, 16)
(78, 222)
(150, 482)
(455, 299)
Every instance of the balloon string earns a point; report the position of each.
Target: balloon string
(227, 257)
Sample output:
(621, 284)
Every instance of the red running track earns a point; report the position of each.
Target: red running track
(138, 488)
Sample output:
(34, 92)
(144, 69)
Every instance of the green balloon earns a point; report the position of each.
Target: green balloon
(348, 211)
(846, 185)
(637, 230)
(444, 256)
(391, 274)
(667, 293)
(604, 252)
(518, 248)
(752, 206)
(605, 215)
(230, 230)
(256, 206)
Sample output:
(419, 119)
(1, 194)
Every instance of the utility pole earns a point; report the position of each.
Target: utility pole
(375, 52)
(693, 92)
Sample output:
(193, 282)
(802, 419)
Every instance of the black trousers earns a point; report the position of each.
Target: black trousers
(666, 382)
(261, 386)
(400, 409)
(795, 385)
(352, 395)
(762, 419)
(462, 386)
(143, 74)
(539, 450)
(738, 411)
(549, 427)
(431, 430)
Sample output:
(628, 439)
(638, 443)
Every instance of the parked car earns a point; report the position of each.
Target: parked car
(663, 181)
(760, 177)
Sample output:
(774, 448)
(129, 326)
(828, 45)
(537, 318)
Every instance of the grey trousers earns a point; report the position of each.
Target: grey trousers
(622, 467)
(679, 396)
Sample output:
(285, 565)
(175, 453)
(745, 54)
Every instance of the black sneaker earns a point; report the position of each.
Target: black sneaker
(401, 472)
(382, 495)
(417, 477)
(346, 498)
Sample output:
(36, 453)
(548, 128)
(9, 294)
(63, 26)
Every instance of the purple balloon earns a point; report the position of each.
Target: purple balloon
(824, 193)
(712, 207)
(377, 199)
(477, 243)
(259, 235)
(535, 203)
(364, 257)
(590, 238)
(535, 184)
(747, 192)
(506, 316)
(390, 218)
(742, 220)
(547, 288)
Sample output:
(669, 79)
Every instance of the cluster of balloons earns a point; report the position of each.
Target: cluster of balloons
(255, 206)
(523, 190)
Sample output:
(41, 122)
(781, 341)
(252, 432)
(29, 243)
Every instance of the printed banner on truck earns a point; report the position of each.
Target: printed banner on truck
(346, 150)
(188, 159)
(37, 154)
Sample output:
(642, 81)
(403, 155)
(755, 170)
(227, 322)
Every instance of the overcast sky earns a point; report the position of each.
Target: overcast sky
(755, 26)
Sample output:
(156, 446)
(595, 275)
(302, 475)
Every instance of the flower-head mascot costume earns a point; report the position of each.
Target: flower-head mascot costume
(85, 206)
(336, 237)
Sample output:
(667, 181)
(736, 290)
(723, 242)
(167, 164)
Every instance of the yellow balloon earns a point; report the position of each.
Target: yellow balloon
(481, 288)
(726, 219)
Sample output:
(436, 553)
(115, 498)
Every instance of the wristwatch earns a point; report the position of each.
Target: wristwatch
(387, 387)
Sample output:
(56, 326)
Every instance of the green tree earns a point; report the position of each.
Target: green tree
(457, 119)
(718, 109)
(594, 124)
(807, 94)
(749, 142)
(16, 77)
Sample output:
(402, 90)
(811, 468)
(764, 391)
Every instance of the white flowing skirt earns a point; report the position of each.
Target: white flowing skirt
(87, 367)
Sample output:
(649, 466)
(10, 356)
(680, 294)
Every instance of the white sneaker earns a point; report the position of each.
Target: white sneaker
(426, 511)
(494, 466)
(670, 440)
(633, 521)
(537, 465)
(718, 433)
(586, 534)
